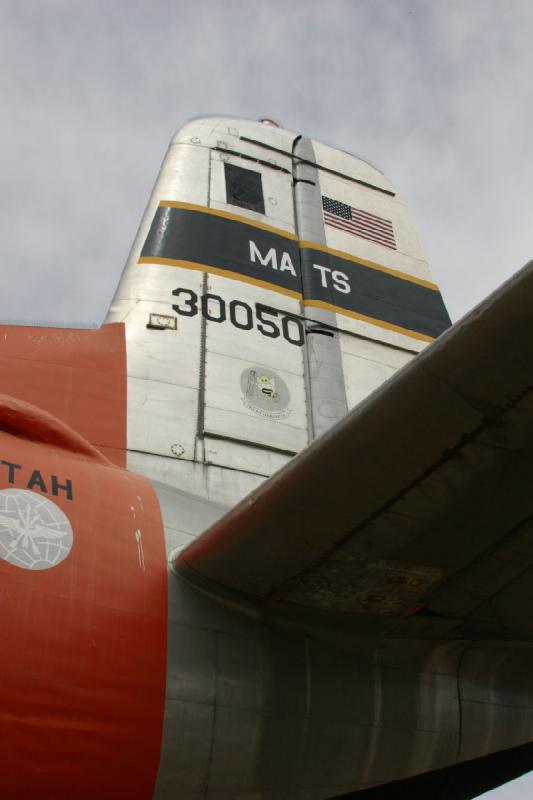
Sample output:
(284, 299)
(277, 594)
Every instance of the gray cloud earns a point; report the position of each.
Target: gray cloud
(437, 94)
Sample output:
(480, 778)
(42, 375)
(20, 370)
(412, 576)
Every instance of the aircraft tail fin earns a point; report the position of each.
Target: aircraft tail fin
(273, 284)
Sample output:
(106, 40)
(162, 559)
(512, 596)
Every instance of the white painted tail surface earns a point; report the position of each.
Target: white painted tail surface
(273, 284)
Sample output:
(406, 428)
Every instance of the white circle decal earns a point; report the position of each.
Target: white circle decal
(34, 532)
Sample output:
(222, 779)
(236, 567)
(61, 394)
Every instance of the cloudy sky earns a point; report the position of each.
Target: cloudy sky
(437, 93)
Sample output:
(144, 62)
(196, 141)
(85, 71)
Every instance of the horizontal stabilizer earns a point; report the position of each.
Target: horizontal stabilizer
(417, 505)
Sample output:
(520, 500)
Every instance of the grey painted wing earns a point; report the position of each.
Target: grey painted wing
(413, 514)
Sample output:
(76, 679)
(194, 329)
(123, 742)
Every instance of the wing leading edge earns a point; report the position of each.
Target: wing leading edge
(415, 512)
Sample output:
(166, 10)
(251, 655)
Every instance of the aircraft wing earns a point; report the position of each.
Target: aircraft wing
(414, 514)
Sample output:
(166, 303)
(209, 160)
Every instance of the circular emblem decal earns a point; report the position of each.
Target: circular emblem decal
(34, 532)
(265, 393)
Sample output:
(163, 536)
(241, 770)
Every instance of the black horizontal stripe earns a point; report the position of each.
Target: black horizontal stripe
(214, 241)
(374, 293)
(217, 242)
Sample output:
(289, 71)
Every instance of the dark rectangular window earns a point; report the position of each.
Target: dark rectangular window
(244, 188)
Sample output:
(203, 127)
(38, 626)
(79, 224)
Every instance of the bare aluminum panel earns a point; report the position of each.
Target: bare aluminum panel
(331, 158)
(185, 516)
(237, 751)
(183, 511)
(487, 729)
(191, 759)
(234, 134)
(235, 455)
(230, 412)
(184, 175)
(176, 539)
(230, 354)
(368, 364)
(224, 486)
(155, 283)
(167, 356)
(188, 476)
(162, 418)
(247, 428)
(228, 486)
(362, 376)
(374, 351)
(405, 752)
(163, 365)
(194, 649)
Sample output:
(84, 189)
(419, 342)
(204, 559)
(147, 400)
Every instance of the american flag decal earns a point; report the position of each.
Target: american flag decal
(360, 223)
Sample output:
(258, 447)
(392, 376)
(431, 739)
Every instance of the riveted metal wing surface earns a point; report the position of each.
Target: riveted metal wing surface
(412, 515)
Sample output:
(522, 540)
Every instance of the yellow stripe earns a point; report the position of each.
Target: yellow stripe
(226, 215)
(389, 326)
(379, 267)
(233, 276)
(302, 244)
(236, 276)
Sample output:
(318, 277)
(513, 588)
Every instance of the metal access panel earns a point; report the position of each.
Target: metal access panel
(254, 337)
(367, 365)
(254, 383)
(163, 368)
(163, 346)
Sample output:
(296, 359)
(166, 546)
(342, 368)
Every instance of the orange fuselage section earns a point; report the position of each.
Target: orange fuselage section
(83, 575)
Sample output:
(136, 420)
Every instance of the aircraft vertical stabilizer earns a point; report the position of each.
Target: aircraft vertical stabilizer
(274, 283)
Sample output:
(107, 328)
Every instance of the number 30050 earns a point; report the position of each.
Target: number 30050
(267, 320)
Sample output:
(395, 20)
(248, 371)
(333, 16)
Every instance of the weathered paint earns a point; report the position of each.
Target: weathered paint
(82, 674)
(77, 375)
